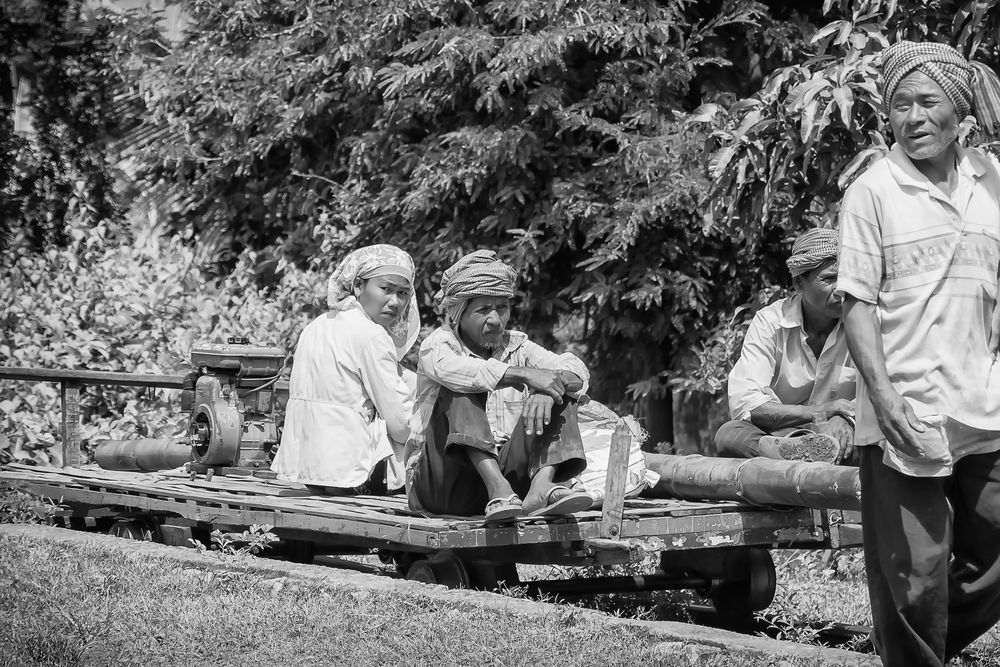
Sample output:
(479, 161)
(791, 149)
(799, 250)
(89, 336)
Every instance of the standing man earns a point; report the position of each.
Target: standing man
(794, 368)
(920, 242)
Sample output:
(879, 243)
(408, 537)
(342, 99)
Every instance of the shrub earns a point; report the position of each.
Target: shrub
(125, 308)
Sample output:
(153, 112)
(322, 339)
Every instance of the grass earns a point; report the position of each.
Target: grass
(815, 589)
(72, 605)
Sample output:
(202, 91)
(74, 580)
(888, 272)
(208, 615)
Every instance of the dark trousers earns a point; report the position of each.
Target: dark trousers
(738, 439)
(932, 555)
(375, 485)
(445, 481)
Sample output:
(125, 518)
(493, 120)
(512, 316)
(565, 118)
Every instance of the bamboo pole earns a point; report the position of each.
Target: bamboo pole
(143, 454)
(759, 480)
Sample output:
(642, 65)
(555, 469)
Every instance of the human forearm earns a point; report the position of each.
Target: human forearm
(773, 415)
(864, 341)
(896, 419)
(537, 380)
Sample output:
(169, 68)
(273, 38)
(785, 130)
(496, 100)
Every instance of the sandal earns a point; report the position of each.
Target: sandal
(504, 509)
(574, 501)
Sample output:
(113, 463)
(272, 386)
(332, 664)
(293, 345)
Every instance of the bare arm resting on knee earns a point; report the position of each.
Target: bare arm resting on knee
(773, 415)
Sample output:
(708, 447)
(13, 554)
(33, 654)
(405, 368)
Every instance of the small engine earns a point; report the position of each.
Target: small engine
(231, 399)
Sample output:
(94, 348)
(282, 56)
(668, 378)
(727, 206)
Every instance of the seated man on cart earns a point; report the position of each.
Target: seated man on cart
(791, 393)
(494, 428)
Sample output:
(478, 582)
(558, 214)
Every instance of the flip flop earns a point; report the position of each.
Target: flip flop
(575, 501)
(504, 509)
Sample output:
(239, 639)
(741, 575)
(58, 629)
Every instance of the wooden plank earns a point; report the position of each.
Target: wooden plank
(239, 487)
(222, 498)
(758, 528)
(614, 486)
(149, 483)
(388, 535)
(70, 391)
(83, 376)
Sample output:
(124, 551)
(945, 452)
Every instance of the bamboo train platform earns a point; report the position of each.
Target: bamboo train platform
(720, 548)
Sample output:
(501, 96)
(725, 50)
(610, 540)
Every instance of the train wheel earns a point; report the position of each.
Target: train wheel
(443, 568)
(747, 585)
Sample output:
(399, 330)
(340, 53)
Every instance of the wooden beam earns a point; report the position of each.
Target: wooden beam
(82, 376)
(614, 486)
(70, 423)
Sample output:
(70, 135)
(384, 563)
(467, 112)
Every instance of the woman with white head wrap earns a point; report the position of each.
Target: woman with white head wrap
(349, 405)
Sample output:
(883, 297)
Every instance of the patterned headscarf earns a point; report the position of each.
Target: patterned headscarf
(370, 262)
(811, 250)
(971, 86)
(480, 273)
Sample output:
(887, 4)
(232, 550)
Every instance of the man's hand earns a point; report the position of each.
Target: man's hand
(898, 422)
(537, 413)
(839, 406)
(842, 430)
(544, 382)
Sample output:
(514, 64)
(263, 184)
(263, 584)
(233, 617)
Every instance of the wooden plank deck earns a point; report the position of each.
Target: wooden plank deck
(388, 522)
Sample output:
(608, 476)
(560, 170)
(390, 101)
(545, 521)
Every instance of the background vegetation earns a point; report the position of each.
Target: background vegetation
(645, 164)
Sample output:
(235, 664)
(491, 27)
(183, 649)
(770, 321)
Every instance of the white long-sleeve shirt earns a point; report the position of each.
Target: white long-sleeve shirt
(348, 405)
(445, 361)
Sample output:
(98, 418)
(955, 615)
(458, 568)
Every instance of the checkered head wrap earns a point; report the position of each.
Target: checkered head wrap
(370, 262)
(972, 87)
(812, 249)
(480, 273)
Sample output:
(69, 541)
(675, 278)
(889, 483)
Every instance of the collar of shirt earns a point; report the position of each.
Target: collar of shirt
(970, 165)
(791, 313)
(792, 318)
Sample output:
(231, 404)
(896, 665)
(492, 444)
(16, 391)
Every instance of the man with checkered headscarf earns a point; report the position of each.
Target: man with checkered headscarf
(919, 259)
(495, 428)
(794, 368)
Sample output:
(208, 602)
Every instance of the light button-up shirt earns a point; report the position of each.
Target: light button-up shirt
(777, 364)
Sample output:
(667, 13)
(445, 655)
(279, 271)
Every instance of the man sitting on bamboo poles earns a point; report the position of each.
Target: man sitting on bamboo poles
(495, 428)
(791, 393)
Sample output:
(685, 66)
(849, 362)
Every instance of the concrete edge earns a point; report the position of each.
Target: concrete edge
(664, 631)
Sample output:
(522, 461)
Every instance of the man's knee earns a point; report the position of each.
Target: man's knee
(737, 439)
(467, 423)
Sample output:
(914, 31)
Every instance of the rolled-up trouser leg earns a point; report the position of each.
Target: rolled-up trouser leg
(738, 439)
(445, 481)
(559, 445)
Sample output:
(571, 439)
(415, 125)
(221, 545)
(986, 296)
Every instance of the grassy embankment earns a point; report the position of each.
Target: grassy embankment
(69, 605)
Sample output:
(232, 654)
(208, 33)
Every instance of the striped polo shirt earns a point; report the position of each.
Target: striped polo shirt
(929, 262)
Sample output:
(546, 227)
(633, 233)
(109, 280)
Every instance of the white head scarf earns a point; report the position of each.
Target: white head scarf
(370, 262)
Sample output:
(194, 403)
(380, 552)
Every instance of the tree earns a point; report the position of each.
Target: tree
(63, 170)
(783, 156)
(554, 131)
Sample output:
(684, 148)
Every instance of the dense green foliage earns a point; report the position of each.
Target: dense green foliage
(126, 308)
(644, 164)
(553, 131)
(63, 172)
